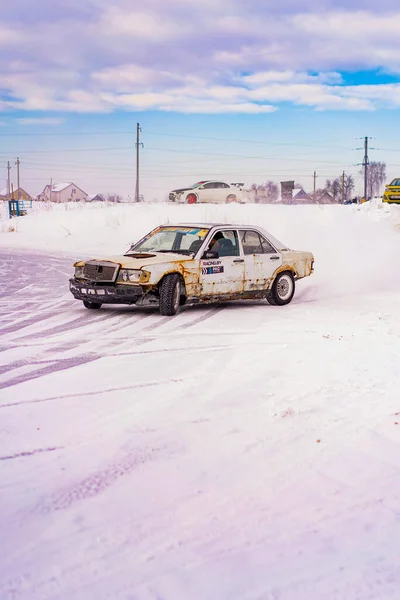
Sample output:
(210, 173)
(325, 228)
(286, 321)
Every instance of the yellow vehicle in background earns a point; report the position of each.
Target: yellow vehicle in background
(392, 192)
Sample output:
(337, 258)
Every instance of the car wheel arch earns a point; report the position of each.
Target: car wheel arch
(181, 278)
(284, 269)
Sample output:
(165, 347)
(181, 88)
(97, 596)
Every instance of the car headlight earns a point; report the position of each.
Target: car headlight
(78, 272)
(133, 276)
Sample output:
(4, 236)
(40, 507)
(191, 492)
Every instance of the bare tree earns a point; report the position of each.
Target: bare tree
(267, 192)
(113, 198)
(349, 186)
(334, 188)
(376, 176)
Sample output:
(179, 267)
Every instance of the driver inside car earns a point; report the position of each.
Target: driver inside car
(214, 244)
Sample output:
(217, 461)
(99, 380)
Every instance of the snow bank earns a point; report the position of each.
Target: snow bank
(355, 247)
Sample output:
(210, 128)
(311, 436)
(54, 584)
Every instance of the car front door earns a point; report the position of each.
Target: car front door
(222, 276)
(261, 260)
(210, 192)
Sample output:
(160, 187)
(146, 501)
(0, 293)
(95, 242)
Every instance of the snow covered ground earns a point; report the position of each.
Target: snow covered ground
(233, 452)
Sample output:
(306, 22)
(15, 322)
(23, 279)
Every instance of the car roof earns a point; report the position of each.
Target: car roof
(204, 225)
(211, 181)
(210, 225)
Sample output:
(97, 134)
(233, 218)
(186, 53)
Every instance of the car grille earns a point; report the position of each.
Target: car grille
(100, 271)
(172, 197)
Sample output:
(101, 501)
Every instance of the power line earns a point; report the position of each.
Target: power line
(70, 150)
(200, 153)
(167, 134)
(181, 135)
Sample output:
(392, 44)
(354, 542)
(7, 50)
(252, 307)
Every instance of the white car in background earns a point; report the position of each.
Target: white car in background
(210, 191)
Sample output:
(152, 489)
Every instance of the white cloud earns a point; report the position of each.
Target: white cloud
(142, 25)
(8, 35)
(213, 107)
(289, 77)
(231, 56)
(127, 78)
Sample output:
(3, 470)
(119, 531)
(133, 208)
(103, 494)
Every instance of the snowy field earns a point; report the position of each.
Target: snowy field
(233, 452)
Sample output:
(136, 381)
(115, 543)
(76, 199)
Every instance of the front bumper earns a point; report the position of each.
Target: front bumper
(391, 199)
(106, 294)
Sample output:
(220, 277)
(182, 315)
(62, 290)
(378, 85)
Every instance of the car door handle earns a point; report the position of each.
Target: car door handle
(274, 258)
(237, 260)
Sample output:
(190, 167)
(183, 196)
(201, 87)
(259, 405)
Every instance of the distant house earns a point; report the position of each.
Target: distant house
(324, 197)
(62, 192)
(19, 194)
(302, 198)
(95, 198)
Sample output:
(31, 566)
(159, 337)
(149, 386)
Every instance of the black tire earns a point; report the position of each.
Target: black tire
(170, 295)
(231, 198)
(282, 290)
(91, 305)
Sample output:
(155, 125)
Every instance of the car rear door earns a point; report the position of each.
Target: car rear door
(261, 260)
(223, 276)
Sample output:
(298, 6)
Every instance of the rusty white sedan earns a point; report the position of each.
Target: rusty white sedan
(191, 263)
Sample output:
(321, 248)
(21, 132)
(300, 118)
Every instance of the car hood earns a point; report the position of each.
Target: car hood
(393, 188)
(137, 261)
(180, 190)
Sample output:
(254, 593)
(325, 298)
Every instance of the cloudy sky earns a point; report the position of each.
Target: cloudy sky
(245, 91)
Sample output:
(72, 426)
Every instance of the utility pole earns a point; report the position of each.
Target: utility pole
(343, 187)
(8, 178)
(315, 185)
(18, 191)
(365, 165)
(138, 144)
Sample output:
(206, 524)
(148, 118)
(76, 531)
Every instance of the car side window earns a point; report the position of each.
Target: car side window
(266, 246)
(251, 242)
(210, 186)
(254, 243)
(226, 243)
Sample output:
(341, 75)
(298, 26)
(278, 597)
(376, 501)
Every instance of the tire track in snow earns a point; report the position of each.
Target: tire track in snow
(31, 321)
(98, 482)
(123, 388)
(53, 367)
(30, 453)
(77, 323)
(209, 315)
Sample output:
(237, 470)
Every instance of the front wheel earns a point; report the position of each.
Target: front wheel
(170, 295)
(191, 199)
(282, 290)
(91, 305)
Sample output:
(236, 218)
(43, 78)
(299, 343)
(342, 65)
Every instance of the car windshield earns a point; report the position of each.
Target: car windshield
(198, 184)
(396, 182)
(181, 240)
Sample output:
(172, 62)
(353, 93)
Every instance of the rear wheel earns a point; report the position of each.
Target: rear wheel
(191, 199)
(170, 295)
(282, 290)
(91, 305)
(231, 198)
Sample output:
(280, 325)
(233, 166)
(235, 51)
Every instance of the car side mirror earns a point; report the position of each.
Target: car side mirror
(210, 254)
